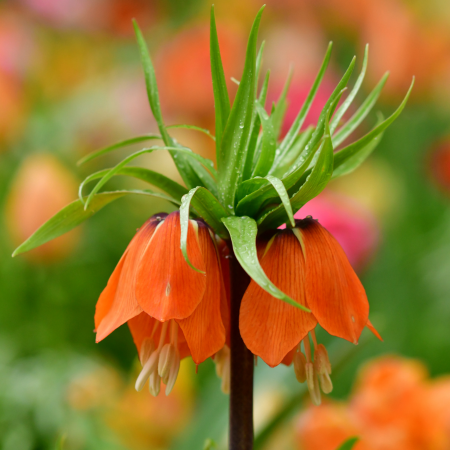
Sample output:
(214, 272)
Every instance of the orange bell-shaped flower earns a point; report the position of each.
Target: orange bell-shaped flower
(172, 310)
(309, 265)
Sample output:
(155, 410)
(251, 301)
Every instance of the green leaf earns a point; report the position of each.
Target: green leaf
(120, 144)
(300, 166)
(259, 63)
(280, 107)
(353, 162)
(361, 144)
(252, 203)
(351, 96)
(281, 190)
(348, 128)
(209, 445)
(74, 214)
(209, 208)
(221, 98)
(256, 125)
(237, 131)
(269, 144)
(193, 127)
(243, 231)
(349, 444)
(294, 152)
(249, 187)
(158, 180)
(129, 158)
(299, 120)
(192, 173)
(313, 186)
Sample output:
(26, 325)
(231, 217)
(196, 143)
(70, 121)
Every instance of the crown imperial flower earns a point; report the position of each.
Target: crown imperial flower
(171, 310)
(309, 265)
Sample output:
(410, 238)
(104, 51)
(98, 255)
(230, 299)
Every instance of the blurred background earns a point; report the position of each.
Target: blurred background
(71, 82)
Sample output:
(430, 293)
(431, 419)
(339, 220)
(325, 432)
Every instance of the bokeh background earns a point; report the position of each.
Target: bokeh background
(71, 82)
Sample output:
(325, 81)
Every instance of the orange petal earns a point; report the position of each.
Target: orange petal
(203, 329)
(270, 327)
(166, 287)
(142, 327)
(333, 290)
(117, 303)
(287, 360)
(373, 330)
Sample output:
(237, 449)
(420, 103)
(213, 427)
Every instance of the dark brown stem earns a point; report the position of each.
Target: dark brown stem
(241, 381)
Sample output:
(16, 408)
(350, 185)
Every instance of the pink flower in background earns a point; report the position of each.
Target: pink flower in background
(17, 45)
(353, 226)
(90, 15)
(296, 96)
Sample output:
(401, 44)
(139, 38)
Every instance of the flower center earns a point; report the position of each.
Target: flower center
(313, 371)
(160, 363)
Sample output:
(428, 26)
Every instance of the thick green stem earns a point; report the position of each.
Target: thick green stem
(241, 381)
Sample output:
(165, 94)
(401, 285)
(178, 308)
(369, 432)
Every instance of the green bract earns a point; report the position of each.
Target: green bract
(260, 181)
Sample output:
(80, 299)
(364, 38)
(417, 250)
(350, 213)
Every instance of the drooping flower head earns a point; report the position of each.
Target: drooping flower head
(172, 310)
(169, 284)
(309, 265)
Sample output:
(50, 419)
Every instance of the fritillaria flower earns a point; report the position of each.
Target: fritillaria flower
(309, 265)
(172, 310)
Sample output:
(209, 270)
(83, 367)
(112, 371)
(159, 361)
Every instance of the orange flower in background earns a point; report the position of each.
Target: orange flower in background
(172, 310)
(41, 187)
(309, 265)
(393, 406)
(185, 71)
(325, 427)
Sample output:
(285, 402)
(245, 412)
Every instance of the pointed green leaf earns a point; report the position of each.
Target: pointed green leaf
(294, 152)
(252, 203)
(349, 444)
(348, 128)
(237, 131)
(351, 150)
(313, 186)
(299, 120)
(119, 166)
(259, 63)
(74, 214)
(249, 187)
(158, 180)
(243, 231)
(209, 208)
(221, 98)
(192, 173)
(269, 144)
(281, 190)
(117, 145)
(256, 125)
(193, 127)
(353, 162)
(279, 109)
(351, 96)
